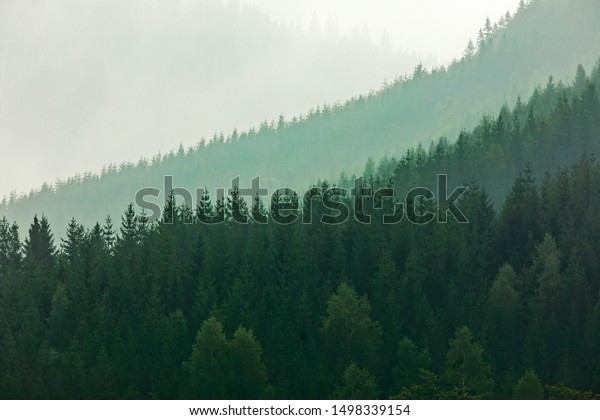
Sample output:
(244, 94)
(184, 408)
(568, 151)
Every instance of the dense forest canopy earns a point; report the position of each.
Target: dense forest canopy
(552, 129)
(99, 302)
(506, 60)
(505, 306)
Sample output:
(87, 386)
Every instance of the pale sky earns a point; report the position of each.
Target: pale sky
(440, 28)
(42, 132)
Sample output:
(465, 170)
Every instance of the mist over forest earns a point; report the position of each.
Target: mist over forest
(507, 59)
(113, 81)
(488, 292)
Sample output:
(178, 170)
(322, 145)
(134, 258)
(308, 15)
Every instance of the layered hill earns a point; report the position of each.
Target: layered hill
(107, 315)
(509, 59)
(112, 81)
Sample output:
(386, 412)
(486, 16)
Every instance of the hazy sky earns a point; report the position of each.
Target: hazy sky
(430, 27)
(438, 28)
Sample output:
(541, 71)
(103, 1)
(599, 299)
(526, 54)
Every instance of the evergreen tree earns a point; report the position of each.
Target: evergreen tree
(502, 311)
(71, 245)
(465, 366)
(108, 234)
(357, 384)
(10, 248)
(129, 230)
(348, 330)
(411, 362)
(206, 369)
(529, 387)
(519, 227)
(248, 372)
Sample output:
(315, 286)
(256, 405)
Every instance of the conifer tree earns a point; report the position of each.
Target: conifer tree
(529, 387)
(357, 384)
(465, 365)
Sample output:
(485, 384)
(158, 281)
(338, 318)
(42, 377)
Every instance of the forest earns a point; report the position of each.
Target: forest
(507, 59)
(505, 306)
(166, 72)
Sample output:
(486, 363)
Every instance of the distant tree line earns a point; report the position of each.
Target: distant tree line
(508, 59)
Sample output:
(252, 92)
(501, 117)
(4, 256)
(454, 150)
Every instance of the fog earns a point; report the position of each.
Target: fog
(439, 28)
(86, 84)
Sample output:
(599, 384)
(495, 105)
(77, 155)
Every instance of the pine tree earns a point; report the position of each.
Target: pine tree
(529, 387)
(546, 266)
(236, 209)
(205, 211)
(348, 330)
(357, 384)
(581, 81)
(411, 362)
(71, 245)
(469, 52)
(502, 318)
(465, 366)
(128, 229)
(10, 248)
(108, 234)
(39, 264)
(519, 225)
(170, 213)
(39, 245)
(248, 372)
(259, 212)
(546, 333)
(206, 370)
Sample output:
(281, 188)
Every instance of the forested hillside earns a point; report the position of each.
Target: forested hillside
(130, 78)
(552, 129)
(509, 59)
(505, 306)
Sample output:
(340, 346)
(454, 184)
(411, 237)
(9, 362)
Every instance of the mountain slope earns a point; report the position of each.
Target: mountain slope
(129, 78)
(107, 315)
(511, 59)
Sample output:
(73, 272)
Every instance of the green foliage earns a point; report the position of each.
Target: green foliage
(222, 369)
(502, 317)
(59, 320)
(562, 392)
(429, 387)
(248, 373)
(348, 330)
(326, 308)
(509, 60)
(529, 387)
(206, 378)
(411, 362)
(94, 320)
(465, 366)
(357, 384)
